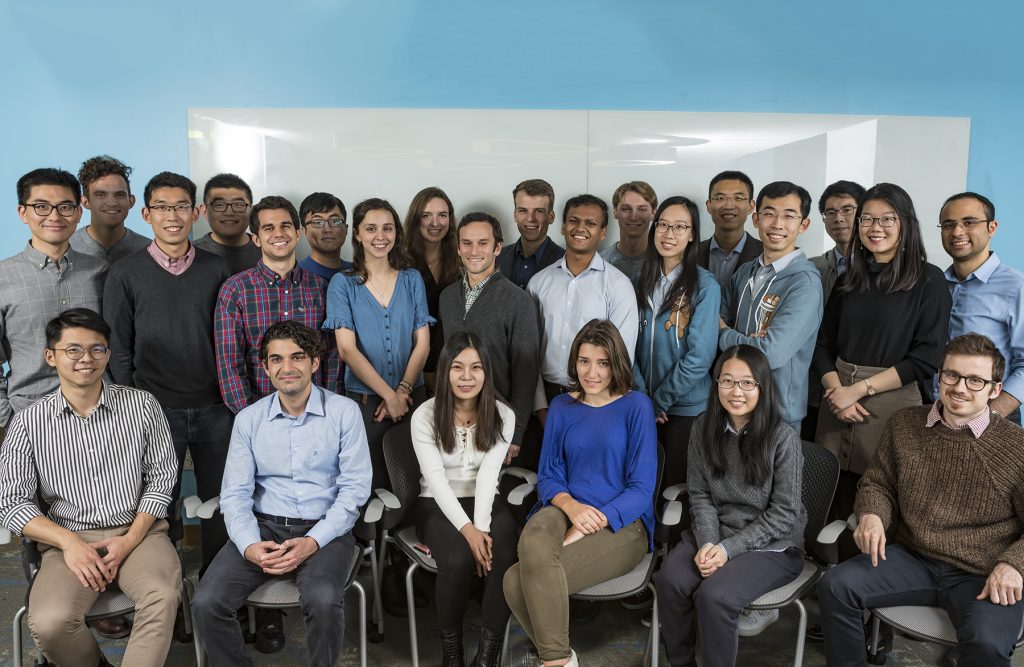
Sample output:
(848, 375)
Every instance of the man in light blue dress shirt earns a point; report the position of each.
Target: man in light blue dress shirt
(297, 474)
(988, 296)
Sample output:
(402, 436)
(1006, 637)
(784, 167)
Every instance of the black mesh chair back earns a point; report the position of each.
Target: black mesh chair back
(820, 477)
(403, 469)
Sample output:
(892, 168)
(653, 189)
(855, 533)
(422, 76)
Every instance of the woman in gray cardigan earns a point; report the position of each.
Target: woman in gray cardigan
(744, 474)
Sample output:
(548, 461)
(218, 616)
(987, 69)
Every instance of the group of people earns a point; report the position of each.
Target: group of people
(281, 378)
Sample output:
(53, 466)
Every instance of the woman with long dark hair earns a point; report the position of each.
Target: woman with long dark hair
(461, 436)
(594, 518)
(744, 480)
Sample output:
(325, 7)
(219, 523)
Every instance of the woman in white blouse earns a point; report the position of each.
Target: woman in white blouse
(461, 437)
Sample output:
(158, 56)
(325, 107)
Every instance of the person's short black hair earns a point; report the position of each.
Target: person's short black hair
(226, 181)
(840, 189)
(732, 175)
(986, 203)
(99, 166)
(480, 216)
(76, 318)
(48, 176)
(778, 189)
(586, 200)
(272, 203)
(309, 341)
(168, 179)
(321, 202)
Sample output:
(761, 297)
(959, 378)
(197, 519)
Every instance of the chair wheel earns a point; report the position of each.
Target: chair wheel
(879, 659)
(373, 636)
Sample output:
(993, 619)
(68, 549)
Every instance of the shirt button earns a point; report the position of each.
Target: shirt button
(286, 291)
(286, 312)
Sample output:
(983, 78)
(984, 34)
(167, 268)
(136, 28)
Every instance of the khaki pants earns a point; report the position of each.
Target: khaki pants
(58, 603)
(538, 587)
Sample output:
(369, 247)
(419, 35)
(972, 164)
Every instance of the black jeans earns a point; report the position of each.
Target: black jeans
(231, 578)
(375, 431)
(986, 632)
(456, 567)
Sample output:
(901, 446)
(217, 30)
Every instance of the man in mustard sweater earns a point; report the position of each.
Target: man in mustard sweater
(947, 482)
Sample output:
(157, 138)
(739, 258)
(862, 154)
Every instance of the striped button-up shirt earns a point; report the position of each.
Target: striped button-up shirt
(90, 472)
(33, 290)
(249, 302)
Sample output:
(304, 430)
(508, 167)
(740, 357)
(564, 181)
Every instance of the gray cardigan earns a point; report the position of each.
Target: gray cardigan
(741, 517)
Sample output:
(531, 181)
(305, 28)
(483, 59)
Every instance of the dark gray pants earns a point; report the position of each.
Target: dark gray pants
(688, 603)
(230, 579)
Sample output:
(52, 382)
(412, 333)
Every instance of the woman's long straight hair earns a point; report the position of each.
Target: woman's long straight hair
(757, 436)
(907, 268)
(650, 274)
(414, 243)
(488, 420)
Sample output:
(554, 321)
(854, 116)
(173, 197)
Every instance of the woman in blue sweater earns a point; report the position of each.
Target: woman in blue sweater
(595, 517)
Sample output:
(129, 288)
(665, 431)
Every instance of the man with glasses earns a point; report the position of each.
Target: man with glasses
(99, 458)
(324, 218)
(159, 303)
(44, 279)
(226, 203)
(108, 197)
(730, 201)
(633, 205)
(988, 296)
(946, 485)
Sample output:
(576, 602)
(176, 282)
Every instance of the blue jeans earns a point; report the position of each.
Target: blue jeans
(206, 432)
(986, 632)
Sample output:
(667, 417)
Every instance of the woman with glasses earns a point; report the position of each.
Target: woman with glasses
(881, 337)
(432, 244)
(678, 303)
(594, 519)
(461, 436)
(744, 478)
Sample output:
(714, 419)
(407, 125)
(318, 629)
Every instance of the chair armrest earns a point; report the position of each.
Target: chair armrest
(389, 499)
(374, 511)
(527, 476)
(518, 495)
(673, 492)
(830, 533)
(5, 536)
(671, 513)
(852, 522)
(191, 505)
(209, 508)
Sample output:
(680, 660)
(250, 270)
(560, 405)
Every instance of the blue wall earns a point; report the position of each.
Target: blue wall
(84, 78)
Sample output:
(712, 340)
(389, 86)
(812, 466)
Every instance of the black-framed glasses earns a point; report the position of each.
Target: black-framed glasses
(76, 352)
(973, 382)
(676, 230)
(236, 206)
(729, 383)
(738, 199)
(65, 209)
(170, 208)
(317, 223)
(967, 223)
(845, 211)
(885, 221)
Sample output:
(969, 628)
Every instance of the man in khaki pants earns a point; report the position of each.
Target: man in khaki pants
(99, 457)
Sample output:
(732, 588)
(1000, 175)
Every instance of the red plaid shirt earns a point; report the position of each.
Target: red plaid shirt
(248, 303)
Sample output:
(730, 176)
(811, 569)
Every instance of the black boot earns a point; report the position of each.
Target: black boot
(488, 654)
(451, 649)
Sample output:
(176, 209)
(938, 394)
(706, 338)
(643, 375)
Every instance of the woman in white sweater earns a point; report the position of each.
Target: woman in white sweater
(461, 437)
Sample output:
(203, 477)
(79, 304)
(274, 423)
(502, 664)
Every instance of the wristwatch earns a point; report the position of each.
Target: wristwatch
(871, 390)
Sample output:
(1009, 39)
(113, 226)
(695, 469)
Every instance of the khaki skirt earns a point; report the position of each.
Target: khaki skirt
(855, 444)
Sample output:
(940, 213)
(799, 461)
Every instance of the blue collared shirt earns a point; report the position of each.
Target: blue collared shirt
(990, 301)
(524, 268)
(840, 260)
(314, 466)
(723, 264)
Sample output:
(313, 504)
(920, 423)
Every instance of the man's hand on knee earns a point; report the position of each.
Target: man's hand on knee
(295, 551)
(1003, 586)
(84, 560)
(114, 551)
(870, 537)
(262, 553)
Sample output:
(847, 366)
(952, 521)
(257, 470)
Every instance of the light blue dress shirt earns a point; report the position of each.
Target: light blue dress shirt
(723, 264)
(990, 301)
(314, 466)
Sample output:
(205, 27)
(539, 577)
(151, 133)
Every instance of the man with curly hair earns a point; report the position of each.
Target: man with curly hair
(108, 197)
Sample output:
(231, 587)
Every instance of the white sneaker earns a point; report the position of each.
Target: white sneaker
(753, 621)
(573, 662)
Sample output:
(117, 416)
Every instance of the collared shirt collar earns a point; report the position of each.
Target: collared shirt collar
(729, 428)
(314, 405)
(737, 250)
(168, 262)
(597, 263)
(782, 262)
(41, 260)
(294, 276)
(977, 425)
(539, 252)
(61, 405)
(982, 273)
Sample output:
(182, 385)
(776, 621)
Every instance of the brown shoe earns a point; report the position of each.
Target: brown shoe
(113, 627)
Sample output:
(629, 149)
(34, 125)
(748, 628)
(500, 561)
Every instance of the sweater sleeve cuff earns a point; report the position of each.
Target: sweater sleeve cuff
(733, 546)
(614, 519)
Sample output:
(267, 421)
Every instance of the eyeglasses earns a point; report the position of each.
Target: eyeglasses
(677, 230)
(967, 223)
(729, 383)
(236, 206)
(168, 208)
(845, 211)
(76, 352)
(769, 216)
(973, 382)
(318, 223)
(738, 199)
(65, 209)
(885, 222)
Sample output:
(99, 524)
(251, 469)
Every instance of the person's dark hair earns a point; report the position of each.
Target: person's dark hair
(168, 179)
(907, 266)
(99, 166)
(757, 436)
(321, 202)
(489, 423)
(840, 189)
(308, 340)
(396, 258)
(650, 274)
(272, 203)
(226, 181)
(48, 176)
(413, 244)
(480, 216)
(779, 189)
(732, 176)
(76, 318)
(977, 345)
(986, 203)
(536, 187)
(586, 200)
(602, 333)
